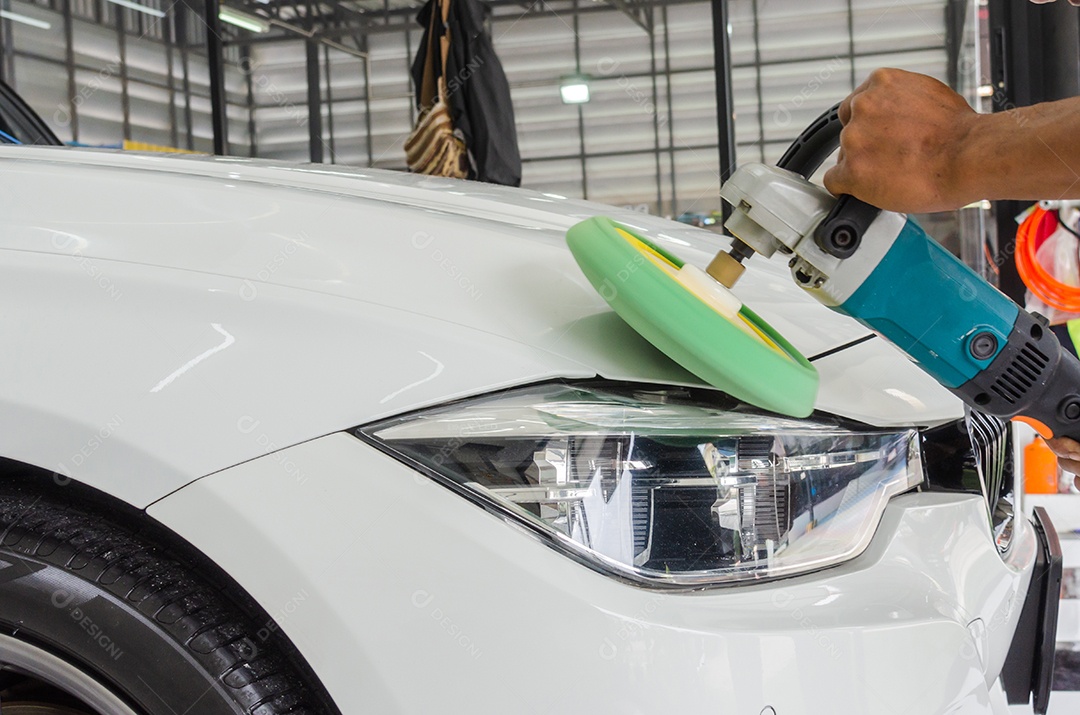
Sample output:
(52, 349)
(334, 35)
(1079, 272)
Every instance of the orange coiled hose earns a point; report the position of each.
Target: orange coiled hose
(1029, 236)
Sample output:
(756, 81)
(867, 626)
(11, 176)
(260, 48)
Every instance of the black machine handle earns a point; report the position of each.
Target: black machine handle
(842, 230)
(814, 145)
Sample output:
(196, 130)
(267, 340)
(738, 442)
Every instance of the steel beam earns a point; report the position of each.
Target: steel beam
(69, 65)
(249, 86)
(725, 105)
(404, 17)
(121, 47)
(670, 112)
(579, 107)
(7, 47)
(637, 13)
(329, 105)
(370, 142)
(757, 80)
(408, 73)
(314, 103)
(167, 36)
(655, 117)
(851, 43)
(691, 148)
(956, 12)
(216, 60)
(183, 16)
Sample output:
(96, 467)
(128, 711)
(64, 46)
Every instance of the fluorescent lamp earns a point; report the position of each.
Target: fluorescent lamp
(138, 8)
(574, 90)
(26, 20)
(254, 23)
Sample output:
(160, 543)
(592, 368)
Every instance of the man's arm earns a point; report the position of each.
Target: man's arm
(911, 144)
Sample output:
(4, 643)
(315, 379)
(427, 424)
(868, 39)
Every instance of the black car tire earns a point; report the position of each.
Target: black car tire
(166, 636)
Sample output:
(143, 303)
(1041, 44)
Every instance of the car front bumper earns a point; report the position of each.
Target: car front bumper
(405, 598)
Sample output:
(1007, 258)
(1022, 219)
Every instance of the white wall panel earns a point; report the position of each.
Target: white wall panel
(562, 177)
(623, 180)
(33, 78)
(44, 43)
(616, 45)
(535, 48)
(791, 31)
(698, 176)
(882, 26)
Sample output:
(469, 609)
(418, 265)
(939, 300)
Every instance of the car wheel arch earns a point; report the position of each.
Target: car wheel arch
(42, 481)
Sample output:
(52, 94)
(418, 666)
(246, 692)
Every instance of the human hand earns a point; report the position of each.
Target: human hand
(899, 149)
(1068, 453)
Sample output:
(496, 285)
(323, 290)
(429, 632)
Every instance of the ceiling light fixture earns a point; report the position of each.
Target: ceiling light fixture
(138, 8)
(26, 20)
(247, 21)
(574, 90)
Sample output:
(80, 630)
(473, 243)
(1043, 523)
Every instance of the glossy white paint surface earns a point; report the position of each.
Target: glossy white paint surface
(168, 318)
(176, 316)
(406, 598)
(872, 382)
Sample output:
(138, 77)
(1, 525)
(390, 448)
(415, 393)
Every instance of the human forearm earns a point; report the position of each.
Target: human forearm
(911, 144)
(1024, 153)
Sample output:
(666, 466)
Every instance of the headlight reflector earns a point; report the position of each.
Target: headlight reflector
(664, 486)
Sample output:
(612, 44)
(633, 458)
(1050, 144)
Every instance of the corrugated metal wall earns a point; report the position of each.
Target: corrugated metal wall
(121, 85)
(635, 145)
(645, 138)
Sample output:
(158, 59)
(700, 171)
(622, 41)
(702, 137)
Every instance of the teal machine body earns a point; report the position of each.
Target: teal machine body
(933, 307)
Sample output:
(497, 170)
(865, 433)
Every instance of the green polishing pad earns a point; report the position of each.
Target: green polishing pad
(693, 319)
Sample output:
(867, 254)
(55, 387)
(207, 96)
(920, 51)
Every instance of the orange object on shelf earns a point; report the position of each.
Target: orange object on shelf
(1036, 228)
(1040, 468)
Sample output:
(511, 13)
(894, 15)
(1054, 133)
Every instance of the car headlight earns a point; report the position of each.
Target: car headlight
(664, 486)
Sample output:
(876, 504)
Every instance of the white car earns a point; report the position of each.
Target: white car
(300, 439)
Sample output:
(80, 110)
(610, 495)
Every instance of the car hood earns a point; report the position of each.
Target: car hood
(428, 289)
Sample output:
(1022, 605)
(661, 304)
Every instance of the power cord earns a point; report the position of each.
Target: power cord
(1061, 222)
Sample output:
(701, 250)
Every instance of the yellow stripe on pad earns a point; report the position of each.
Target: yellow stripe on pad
(761, 334)
(648, 250)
